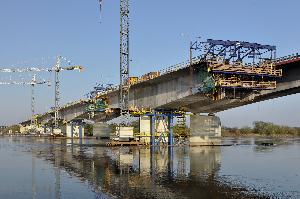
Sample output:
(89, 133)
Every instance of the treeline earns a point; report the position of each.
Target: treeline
(262, 128)
(13, 129)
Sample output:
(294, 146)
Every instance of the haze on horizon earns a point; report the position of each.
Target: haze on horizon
(33, 32)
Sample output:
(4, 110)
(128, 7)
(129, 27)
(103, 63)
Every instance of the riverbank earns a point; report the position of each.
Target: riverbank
(227, 134)
(262, 129)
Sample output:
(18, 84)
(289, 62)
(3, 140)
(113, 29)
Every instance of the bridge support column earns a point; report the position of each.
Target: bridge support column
(171, 132)
(72, 131)
(157, 124)
(171, 161)
(80, 131)
(205, 130)
(152, 130)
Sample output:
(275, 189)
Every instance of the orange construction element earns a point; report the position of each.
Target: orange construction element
(236, 83)
(265, 69)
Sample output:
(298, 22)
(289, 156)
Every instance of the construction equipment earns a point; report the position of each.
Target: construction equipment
(56, 69)
(98, 103)
(32, 84)
(100, 9)
(233, 69)
(124, 55)
(99, 88)
(234, 51)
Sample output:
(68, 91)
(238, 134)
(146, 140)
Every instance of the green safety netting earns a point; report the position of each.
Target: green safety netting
(99, 106)
(207, 82)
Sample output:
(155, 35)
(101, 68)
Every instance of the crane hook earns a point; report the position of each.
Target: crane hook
(100, 9)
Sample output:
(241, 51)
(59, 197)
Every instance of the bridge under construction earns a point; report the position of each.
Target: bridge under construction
(225, 75)
(221, 74)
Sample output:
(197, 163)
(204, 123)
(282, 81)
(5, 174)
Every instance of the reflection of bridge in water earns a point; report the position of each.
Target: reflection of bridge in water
(139, 172)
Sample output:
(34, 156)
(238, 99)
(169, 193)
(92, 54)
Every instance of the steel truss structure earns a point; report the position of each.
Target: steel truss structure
(234, 51)
(162, 114)
(236, 65)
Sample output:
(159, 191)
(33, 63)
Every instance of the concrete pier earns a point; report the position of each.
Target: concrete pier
(102, 130)
(205, 130)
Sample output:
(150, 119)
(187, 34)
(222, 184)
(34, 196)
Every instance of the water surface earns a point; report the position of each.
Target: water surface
(46, 168)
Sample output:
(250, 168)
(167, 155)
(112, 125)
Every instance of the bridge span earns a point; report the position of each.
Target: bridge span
(172, 90)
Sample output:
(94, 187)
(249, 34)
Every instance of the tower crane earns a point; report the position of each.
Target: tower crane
(32, 84)
(56, 69)
(124, 55)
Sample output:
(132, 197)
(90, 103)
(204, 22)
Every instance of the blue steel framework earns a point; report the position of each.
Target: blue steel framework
(170, 114)
(235, 51)
(236, 65)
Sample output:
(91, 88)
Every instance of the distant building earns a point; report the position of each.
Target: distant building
(2, 128)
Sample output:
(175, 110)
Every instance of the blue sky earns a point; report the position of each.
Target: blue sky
(35, 31)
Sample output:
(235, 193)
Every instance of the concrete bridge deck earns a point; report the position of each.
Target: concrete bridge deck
(172, 90)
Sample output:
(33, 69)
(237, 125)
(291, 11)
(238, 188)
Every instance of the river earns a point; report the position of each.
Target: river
(61, 168)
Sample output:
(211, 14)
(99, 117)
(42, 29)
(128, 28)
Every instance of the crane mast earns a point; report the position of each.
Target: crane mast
(32, 84)
(56, 69)
(57, 91)
(32, 103)
(124, 56)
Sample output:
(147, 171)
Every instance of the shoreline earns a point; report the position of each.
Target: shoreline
(248, 135)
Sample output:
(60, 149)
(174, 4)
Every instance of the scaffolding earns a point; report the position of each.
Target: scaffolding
(236, 65)
(237, 83)
(262, 70)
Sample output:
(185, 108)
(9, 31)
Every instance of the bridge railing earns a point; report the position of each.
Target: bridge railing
(287, 58)
(179, 66)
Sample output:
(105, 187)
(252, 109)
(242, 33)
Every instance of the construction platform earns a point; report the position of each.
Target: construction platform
(131, 143)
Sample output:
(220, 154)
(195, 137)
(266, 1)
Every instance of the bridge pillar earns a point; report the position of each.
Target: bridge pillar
(152, 130)
(72, 131)
(145, 129)
(157, 126)
(80, 131)
(171, 161)
(171, 125)
(102, 130)
(205, 130)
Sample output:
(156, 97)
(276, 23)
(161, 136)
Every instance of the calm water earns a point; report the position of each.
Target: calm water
(46, 168)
